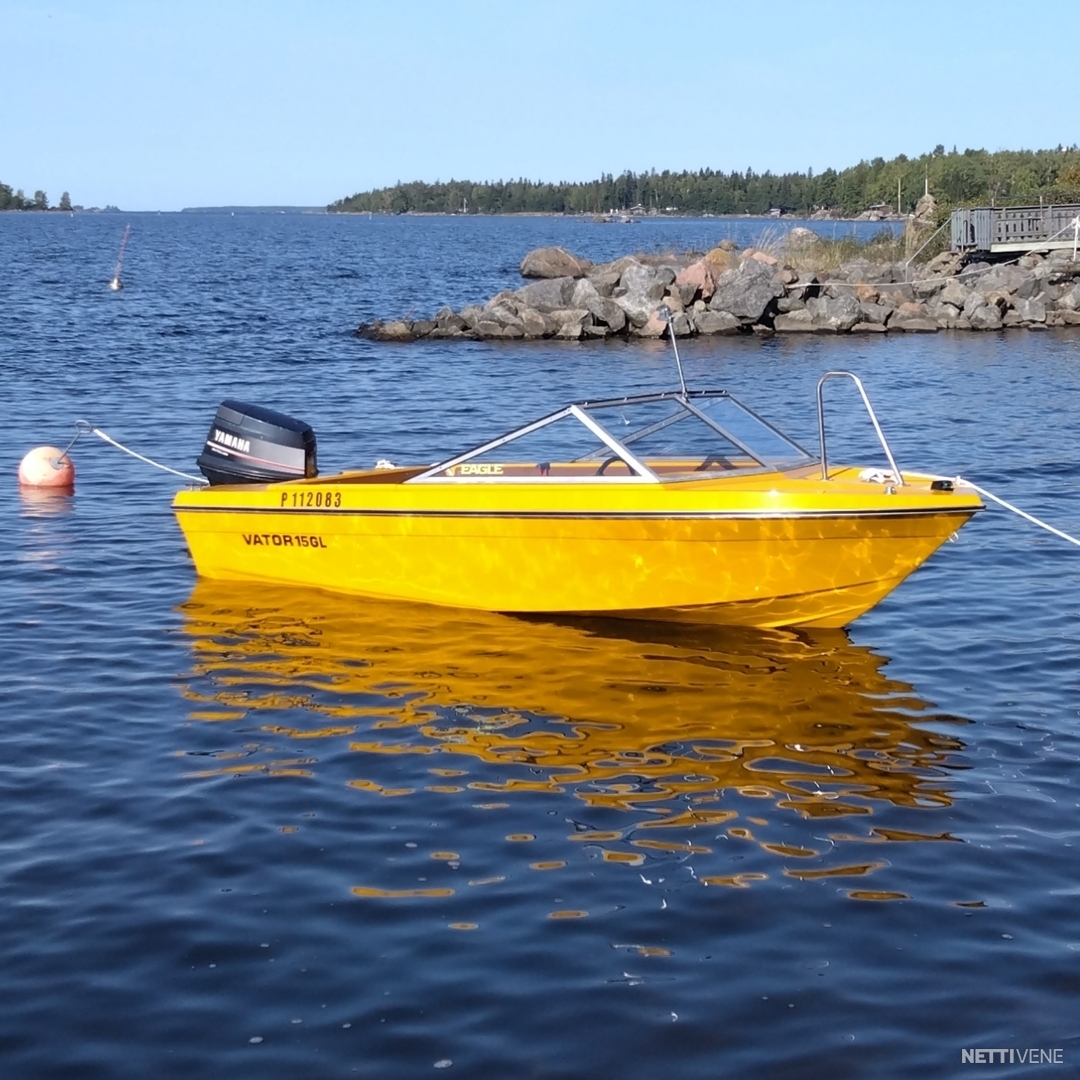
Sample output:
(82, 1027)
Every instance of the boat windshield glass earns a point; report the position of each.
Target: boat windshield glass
(647, 438)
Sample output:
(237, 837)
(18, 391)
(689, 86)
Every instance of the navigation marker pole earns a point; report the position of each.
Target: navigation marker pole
(117, 284)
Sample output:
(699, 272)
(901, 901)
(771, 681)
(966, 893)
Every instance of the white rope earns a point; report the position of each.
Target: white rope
(84, 427)
(1016, 510)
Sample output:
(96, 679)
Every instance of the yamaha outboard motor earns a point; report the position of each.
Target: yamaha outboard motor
(248, 444)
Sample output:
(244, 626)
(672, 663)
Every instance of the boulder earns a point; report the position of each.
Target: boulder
(681, 325)
(866, 294)
(553, 262)
(761, 256)
(800, 239)
(944, 265)
(580, 316)
(1006, 279)
(837, 314)
(487, 327)
(698, 275)
(470, 315)
(868, 328)
(747, 291)
(716, 322)
(795, 322)
(548, 295)
(721, 259)
(396, 330)
(943, 314)
(641, 288)
(984, 317)
(571, 331)
(604, 283)
(912, 323)
(875, 313)
(1070, 299)
(924, 288)
(954, 293)
(609, 313)
(533, 322)
(583, 294)
(1029, 311)
(654, 327)
(423, 327)
(504, 315)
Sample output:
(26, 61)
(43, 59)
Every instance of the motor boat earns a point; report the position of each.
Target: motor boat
(680, 505)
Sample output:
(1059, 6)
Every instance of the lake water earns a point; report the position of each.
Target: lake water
(269, 833)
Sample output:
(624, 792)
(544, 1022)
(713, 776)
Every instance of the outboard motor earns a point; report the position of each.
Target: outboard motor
(248, 444)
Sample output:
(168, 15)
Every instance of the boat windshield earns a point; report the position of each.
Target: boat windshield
(647, 438)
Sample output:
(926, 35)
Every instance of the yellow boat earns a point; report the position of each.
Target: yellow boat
(681, 506)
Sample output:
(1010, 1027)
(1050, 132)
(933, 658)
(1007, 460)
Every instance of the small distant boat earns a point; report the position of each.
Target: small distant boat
(681, 506)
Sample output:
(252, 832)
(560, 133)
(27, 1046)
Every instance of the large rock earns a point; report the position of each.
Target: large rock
(913, 323)
(984, 317)
(553, 262)
(795, 322)
(1008, 279)
(532, 322)
(653, 327)
(716, 322)
(746, 291)
(722, 258)
(837, 314)
(698, 276)
(549, 295)
(954, 293)
(800, 239)
(875, 313)
(583, 294)
(1029, 311)
(605, 282)
(471, 314)
(1070, 299)
(641, 288)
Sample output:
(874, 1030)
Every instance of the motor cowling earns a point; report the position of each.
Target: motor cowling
(249, 444)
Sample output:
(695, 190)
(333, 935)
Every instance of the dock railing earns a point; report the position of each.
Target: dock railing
(1014, 228)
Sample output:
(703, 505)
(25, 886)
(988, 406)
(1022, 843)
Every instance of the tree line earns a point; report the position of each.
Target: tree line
(968, 177)
(16, 200)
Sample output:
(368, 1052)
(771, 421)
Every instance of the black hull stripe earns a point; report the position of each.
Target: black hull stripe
(559, 515)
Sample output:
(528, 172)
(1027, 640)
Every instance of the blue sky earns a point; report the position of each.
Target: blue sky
(154, 105)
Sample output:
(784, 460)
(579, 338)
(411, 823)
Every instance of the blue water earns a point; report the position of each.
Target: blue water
(639, 851)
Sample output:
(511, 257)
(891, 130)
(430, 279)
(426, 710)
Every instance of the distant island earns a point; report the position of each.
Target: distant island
(954, 177)
(16, 200)
(253, 210)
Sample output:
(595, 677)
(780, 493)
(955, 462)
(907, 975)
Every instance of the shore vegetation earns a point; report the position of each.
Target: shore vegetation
(955, 177)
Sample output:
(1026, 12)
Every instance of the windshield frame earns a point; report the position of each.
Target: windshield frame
(638, 471)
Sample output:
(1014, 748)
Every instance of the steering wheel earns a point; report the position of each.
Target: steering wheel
(611, 460)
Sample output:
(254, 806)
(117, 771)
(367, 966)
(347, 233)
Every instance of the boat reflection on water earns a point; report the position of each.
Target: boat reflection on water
(652, 729)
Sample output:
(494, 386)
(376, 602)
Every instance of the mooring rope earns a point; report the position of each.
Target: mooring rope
(1016, 510)
(84, 427)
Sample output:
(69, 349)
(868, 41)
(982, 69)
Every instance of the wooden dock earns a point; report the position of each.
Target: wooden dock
(1015, 228)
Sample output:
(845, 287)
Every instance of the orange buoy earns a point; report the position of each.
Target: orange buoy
(47, 467)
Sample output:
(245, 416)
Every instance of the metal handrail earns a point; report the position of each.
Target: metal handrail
(873, 419)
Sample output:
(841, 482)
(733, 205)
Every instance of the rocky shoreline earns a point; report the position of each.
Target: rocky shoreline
(727, 291)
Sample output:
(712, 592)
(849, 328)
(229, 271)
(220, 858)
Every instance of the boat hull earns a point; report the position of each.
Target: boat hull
(815, 554)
